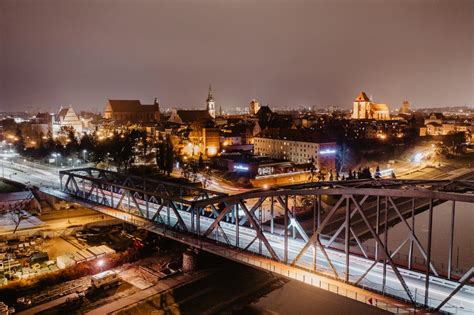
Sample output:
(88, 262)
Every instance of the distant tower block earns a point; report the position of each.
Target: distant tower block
(211, 105)
(405, 108)
(254, 107)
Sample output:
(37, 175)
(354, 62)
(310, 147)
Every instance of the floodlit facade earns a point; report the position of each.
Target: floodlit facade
(131, 111)
(364, 108)
(296, 146)
(66, 117)
(210, 103)
(254, 107)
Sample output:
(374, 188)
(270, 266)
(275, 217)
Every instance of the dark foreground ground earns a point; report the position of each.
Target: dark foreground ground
(239, 290)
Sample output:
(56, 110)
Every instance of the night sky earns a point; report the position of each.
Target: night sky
(284, 53)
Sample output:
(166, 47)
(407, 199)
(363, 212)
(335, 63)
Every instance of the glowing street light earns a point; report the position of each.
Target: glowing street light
(418, 157)
(56, 156)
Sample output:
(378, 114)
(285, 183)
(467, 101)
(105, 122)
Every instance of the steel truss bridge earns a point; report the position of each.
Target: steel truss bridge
(315, 228)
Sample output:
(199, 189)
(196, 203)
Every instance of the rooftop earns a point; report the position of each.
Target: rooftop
(302, 135)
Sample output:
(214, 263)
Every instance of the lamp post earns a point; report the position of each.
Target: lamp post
(56, 156)
(3, 167)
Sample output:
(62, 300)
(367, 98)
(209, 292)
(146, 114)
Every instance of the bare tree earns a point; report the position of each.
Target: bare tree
(17, 212)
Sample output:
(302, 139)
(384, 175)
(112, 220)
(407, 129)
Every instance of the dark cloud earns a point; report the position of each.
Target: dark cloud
(286, 53)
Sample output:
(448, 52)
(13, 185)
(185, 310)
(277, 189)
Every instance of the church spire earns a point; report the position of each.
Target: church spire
(210, 104)
(209, 94)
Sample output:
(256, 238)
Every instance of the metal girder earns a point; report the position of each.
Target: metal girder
(315, 236)
(412, 235)
(178, 216)
(254, 207)
(462, 282)
(258, 230)
(385, 251)
(323, 250)
(293, 221)
(94, 182)
(341, 227)
(217, 220)
(356, 191)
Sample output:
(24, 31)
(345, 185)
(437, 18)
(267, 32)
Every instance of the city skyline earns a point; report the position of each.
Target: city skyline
(308, 54)
(237, 156)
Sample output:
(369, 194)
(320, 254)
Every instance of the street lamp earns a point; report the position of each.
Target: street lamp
(56, 156)
(3, 167)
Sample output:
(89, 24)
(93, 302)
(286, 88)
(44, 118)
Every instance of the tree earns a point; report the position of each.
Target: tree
(342, 156)
(160, 155)
(169, 159)
(72, 145)
(453, 143)
(87, 143)
(19, 141)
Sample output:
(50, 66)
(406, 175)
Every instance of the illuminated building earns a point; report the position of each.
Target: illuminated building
(211, 105)
(405, 108)
(189, 116)
(131, 111)
(254, 107)
(66, 117)
(299, 146)
(364, 108)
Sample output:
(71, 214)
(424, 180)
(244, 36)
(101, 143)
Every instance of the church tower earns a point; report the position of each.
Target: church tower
(361, 106)
(211, 105)
(254, 107)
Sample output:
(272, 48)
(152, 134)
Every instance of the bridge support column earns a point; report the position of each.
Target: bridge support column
(193, 216)
(111, 196)
(261, 226)
(272, 215)
(293, 212)
(410, 251)
(285, 256)
(147, 206)
(198, 221)
(237, 223)
(385, 245)
(348, 227)
(377, 222)
(451, 239)
(315, 226)
(168, 213)
(428, 258)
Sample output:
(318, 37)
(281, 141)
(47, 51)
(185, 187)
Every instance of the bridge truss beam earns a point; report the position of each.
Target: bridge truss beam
(283, 223)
